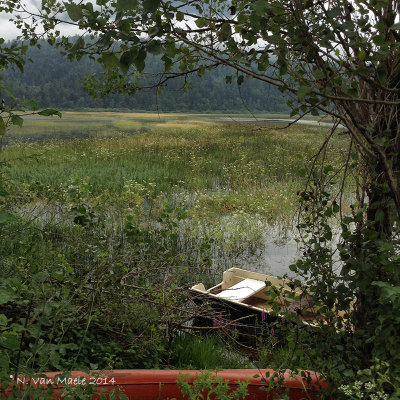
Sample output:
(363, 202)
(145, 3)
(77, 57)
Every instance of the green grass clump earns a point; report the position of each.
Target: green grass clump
(207, 352)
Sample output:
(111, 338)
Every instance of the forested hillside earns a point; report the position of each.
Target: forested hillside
(53, 81)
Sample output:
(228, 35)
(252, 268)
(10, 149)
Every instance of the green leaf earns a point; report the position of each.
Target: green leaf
(228, 79)
(260, 7)
(54, 359)
(124, 5)
(4, 361)
(302, 172)
(4, 320)
(263, 62)
(361, 55)
(2, 127)
(348, 372)
(6, 217)
(303, 91)
(201, 71)
(79, 43)
(151, 5)
(31, 104)
(379, 40)
(74, 11)
(201, 22)
(127, 58)
(17, 120)
(20, 65)
(395, 26)
(293, 267)
(167, 63)
(154, 47)
(106, 39)
(389, 292)
(9, 341)
(3, 192)
(140, 59)
(225, 32)
(380, 141)
(109, 60)
(41, 276)
(283, 69)
(9, 92)
(49, 112)
(278, 10)
(6, 295)
(334, 12)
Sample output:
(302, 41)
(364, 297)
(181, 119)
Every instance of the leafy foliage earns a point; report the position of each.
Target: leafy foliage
(207, 386)
(350, 275)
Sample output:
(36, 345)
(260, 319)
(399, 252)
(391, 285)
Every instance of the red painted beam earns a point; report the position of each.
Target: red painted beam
(162, 384)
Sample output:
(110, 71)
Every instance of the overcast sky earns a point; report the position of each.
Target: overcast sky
(9, 31)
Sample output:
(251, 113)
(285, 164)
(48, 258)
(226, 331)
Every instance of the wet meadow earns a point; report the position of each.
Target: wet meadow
(116, 215)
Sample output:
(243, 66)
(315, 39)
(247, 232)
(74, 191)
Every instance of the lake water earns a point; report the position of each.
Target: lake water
(277, 250)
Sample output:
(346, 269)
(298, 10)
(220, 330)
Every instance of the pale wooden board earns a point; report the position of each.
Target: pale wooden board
(242, 290)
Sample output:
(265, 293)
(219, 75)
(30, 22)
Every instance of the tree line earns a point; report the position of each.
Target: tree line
(54, 81)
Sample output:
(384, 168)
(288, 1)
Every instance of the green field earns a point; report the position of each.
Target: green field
(214, 168)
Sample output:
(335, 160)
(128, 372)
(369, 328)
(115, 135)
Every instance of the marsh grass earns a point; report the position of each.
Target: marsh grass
(234, 181)
(213, 168)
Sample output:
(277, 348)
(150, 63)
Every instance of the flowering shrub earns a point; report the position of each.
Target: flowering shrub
(374, 383)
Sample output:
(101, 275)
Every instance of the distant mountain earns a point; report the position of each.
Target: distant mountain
(53, 81)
